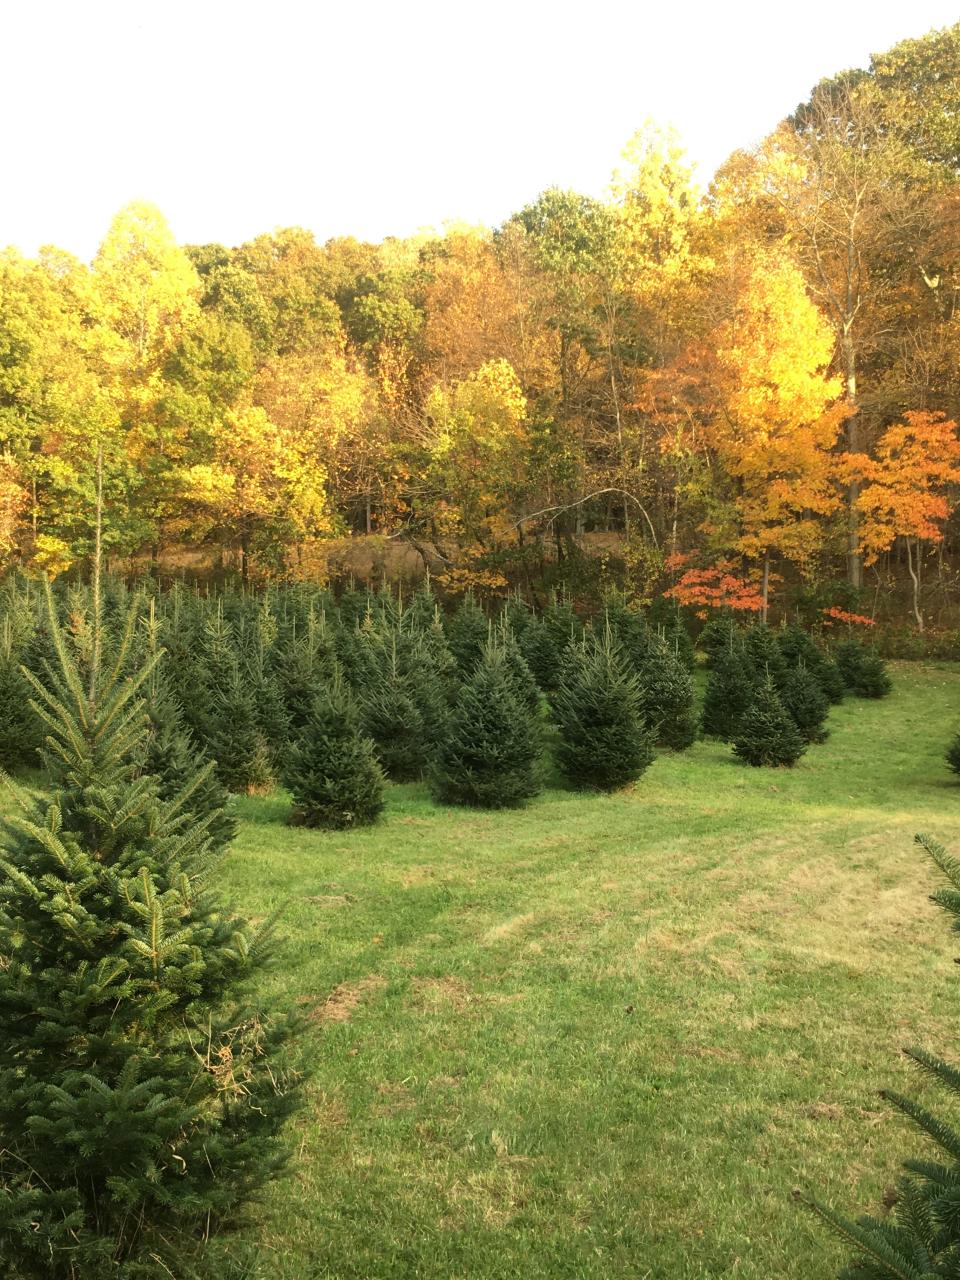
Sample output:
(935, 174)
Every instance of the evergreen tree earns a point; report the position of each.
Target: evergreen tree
(805, 703)
(873, 679)
(518, 615)
(798, 646)
(720, 635)
(767, 735)
(353, 607)
(764, 654)
(667, 699)
(604, 741)
(831, 679)
(730, 690)
(630, 631)
(234, 737)
(864, 671)
(420, 614)
(560, 618)
(331, 768)
(522, 680)
(921, 1239)
(392, 718)
(141, 1096)
(304, 666)
(179, 768)
(20, 727)
(541, 652)
(953, 754)
(467, 635)
(490, 755)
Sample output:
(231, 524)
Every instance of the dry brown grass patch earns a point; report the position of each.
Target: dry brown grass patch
(344, 999)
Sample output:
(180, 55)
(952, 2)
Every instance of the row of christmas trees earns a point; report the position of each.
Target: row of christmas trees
(333, 697)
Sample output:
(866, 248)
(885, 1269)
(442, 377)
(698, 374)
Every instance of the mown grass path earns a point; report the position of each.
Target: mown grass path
(607, 1036)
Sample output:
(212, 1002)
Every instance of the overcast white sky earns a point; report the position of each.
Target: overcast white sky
(377, 118)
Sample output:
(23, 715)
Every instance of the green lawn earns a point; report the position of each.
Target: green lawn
(607, 1036)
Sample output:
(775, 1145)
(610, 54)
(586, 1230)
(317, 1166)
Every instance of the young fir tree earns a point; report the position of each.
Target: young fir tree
(141, 1095)
(331, 767)
(20, 728)
(720, 635)
(953, 754)
(630, 630)
(522, 679)
(798, 646)
(921, 1238)
(864, 671)
(730, 690)
(542, 653)
(766, 734)
(467, 634)
(304, 663)
(172, 759)
(234, 737)
(518, 615)
(605, 743)
(353, 607)
(764, 654)
(419, 615)
(805, 703)
(392, 718)
(831, 679)
(675, 634)
(489, 758)
(667, 698)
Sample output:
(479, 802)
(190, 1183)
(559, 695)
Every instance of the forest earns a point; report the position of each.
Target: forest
(745, 395)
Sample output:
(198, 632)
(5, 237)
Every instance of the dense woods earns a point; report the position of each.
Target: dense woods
(754, 386)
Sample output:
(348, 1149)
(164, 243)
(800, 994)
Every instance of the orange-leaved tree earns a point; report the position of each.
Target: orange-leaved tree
(905, 489)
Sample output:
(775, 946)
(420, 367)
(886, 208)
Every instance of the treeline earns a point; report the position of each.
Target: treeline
(759, 381)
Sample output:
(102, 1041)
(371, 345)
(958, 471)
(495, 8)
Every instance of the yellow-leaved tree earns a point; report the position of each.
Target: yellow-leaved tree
(476, 448)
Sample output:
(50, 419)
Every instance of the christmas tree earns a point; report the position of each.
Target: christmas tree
(666, 698)
(234, 737)
(720, 635)
(141, 1094)
(391, 716)
(541, 652)
(490, 755)
(921, 1238)
(864, 671)
(730, 690)
(467, 634)
(805, 703)
(604, 741)
(331, 768)
(178, 768)
(766, 734)
(20, 734)
(831, 679)
(304, 666)
(524, 684)
(764, 654)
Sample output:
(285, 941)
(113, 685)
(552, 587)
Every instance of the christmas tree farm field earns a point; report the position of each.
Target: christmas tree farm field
(608, 1035)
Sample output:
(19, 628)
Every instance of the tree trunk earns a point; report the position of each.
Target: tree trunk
(915, 577)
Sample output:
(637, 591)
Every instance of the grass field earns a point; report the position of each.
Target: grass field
(607, 1036)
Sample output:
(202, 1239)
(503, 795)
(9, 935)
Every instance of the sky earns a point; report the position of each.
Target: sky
(381, 118)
